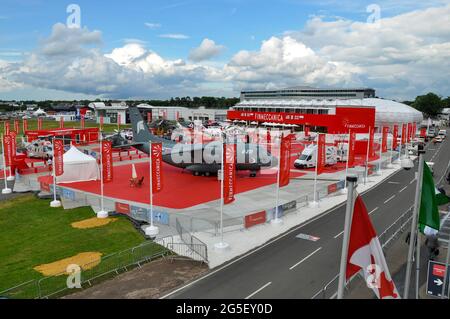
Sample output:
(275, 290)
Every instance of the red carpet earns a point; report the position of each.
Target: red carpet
(181, 190)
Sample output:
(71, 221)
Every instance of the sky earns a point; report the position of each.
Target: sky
(155, 49)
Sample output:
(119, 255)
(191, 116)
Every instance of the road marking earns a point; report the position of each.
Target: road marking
(265, 286)
(395, 183)
(403, 189)
(373, 211)
(389, 199)
(412, 182)
(336, 237)
(315, 251)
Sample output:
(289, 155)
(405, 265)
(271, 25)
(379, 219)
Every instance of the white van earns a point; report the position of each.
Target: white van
(442, 133)
(308, 157)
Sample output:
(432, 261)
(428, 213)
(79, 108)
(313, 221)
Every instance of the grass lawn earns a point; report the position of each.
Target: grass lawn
(32, 233)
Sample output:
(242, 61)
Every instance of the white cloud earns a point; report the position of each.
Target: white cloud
(207, 50)
(174, 36)
(152, 25)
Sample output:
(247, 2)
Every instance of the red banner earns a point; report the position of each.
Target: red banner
(7, 143)
(39, 123)
(149, 117)
(321, 154)
(414, 128)
(307, 130)
(229, 173)
(16, 126)
(58, 154)
(395, 136)
(255, 219)
(269, 141)
(107, 161)
(423, 132)
(122, 208)
(25, 125)
(61, 122)
(404, 134)
(13, 144)
(7, 128)
(371, 142)
(156, 153)
(384, 139)
(101, 122)
(285, 161)
(409, 132)
(83, 122)
(118, 120)
(351, 149)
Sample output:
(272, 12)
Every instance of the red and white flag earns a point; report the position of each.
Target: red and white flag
(321, 154)
(395, 136)
(285, 160)
(371, 143)
(101, 122)
(149, 117)
(39, 123)
(229, 173)
(83, 122)
(118, 121)
(13, 144)
(366, 254)
(7, 128)
(404, 134)
(61, 122)
(384, 139)
(351, 149)
(58, 155)
(107, 161)
(409, 132)
(16, 126)
(306, 130)
(7, 144)
(156, 154)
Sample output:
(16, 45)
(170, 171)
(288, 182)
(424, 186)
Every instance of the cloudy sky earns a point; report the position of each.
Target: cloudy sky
(162, 49)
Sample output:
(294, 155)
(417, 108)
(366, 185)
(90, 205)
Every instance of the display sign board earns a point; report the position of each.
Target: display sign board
(122, 208)
(68, 194)
(435, 278)
(255, 219)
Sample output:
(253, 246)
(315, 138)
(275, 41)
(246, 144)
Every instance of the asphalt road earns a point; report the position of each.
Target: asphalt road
(288, 267)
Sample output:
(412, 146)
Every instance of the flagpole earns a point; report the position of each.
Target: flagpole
(447, 261)
(347, 227)
(6, 190)
(314, 203)
(367, 157)
(222, 245)
(55, 203)
(344, 191)
(102, 213)
(412, 237)
(151, 230)
(277, 219)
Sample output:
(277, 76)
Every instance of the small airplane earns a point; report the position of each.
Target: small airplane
(200, 159)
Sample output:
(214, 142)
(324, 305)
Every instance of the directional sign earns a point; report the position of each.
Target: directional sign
(307, 237)
(435, 279)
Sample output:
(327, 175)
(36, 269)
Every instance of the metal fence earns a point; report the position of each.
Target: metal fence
(98, 269)
(329, 291)
(198, 247)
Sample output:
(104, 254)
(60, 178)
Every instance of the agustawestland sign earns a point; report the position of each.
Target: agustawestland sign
(346, 118)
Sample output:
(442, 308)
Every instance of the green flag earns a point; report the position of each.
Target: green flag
(429, 221)
(441, 199)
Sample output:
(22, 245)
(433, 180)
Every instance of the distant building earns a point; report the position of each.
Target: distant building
(173, 113)
(111, 113)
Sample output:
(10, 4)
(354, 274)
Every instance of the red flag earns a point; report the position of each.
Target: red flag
(409, 132)
(149, 117)
(351, 149)
(414, 128)
(25, 125)
(39, 124)
(7, 143)
(306, 130)
(365, 254)
(83, 122)
(7, 127)
(395, 136)
(321, 155)
(107, 161)
(13, 144)
(229, 173)
(61, 122)
(118, 121)
(16, 126)
(404, 134)
(269, 141)
(285, 160)
(156, 153)
(178, 115)
(58, 154)
(384, 139)
(371, 142)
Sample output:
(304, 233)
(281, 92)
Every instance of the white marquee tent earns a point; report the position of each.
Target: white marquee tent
(78, 167)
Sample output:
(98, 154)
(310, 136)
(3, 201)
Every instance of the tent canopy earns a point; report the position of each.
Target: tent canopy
(78, 167)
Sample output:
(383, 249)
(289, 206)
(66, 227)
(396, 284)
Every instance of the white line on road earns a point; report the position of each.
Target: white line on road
(389, 199)
(265, 286)
(403, 189)
(412, 182)
(373, 211)
(315, 251)
(395, 183)
(336, 237)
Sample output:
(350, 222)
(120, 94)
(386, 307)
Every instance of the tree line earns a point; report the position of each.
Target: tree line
(430, 104)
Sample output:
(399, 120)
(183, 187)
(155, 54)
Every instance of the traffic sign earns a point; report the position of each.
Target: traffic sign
(435, 278)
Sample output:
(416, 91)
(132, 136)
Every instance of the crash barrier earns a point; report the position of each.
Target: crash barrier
(401, 224)
(196, 245)
(93, 271)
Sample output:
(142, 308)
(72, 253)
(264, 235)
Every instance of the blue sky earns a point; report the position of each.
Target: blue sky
(235, 25)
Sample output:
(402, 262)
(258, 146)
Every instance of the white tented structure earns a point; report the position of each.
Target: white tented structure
(78, 167)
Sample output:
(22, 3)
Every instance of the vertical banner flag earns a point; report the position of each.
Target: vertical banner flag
(366, 255)
(414, 130)
(408, 139)
(107, 161)
(39, 123)
(423, 132)
(306, 130)
(269, 141)
(229, 173)
(403, 134)
(61, 122)
(25, 125)
(285, 160)
(321, 155)
(351, 149)
(371, 143)
(394, 138)
(16, 126)
(13, 144)
(58, 154)
(178, 115)
(156, 153)
(149, 117)
(83, 123)
(101, 122)
(384, 139)
(118, 121)
(7, 128)
(7, 142)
